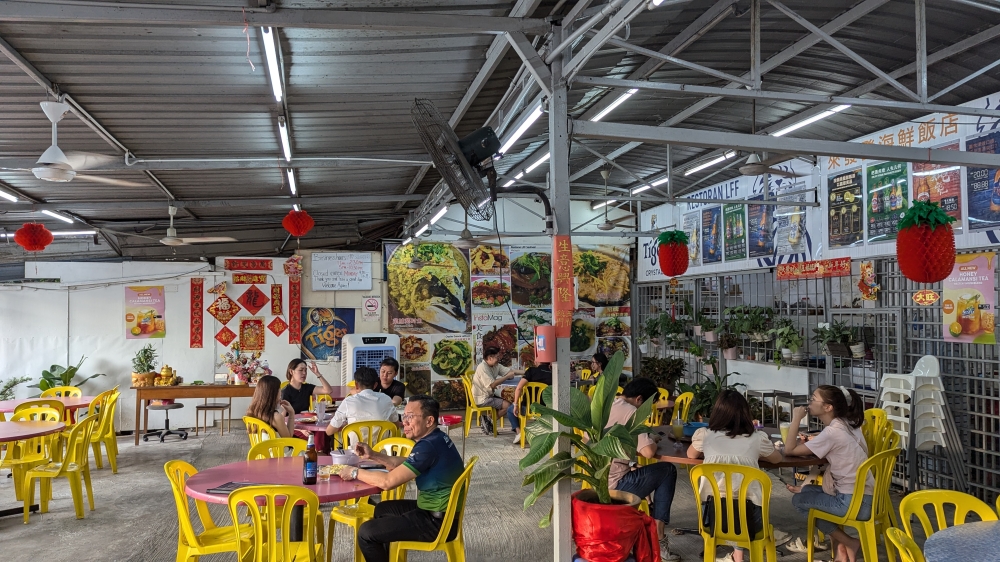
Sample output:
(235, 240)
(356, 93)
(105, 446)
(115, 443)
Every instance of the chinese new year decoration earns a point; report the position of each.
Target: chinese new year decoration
(925, 297)
(298, 223)
(925, 244)
(33, 237)
(243, 366)
(867, 284)
(673, 252)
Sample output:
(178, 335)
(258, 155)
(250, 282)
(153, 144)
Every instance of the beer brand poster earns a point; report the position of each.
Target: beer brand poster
(846, 209)
(735, 219)
(968, 301)
(983, 185)
(145, 313)
(322, 331)
(691, 224)
(940, 184)
(888, 198)
(760, 219)
(711, 235)
(790, 221)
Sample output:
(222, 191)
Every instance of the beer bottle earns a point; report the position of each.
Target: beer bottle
(310, 463)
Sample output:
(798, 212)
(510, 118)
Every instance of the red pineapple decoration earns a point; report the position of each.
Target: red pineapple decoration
(673, 252)
(33, 237)
(925, 244)
(298, 223)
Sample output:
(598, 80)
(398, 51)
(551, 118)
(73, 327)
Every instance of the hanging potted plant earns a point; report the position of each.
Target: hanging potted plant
(711, 364)
(674, 330)
(708, 327)
(737, 322)
(651, 330)
(598, 511)
(840, 340)
(822, 336)
(787, 340)
(857, 344)
(730, 346)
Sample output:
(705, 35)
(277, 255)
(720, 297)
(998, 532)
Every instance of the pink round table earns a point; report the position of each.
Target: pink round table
(17, 430)
(69, 403)
(283, 471)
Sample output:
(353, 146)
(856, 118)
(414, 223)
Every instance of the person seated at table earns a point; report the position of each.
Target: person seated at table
(388, 384)
(298, 391)
(490, 374)
(598, 362)
(434, 463)
(541, 373)
(730, 438)
(843, 446)
(267, 406)
(657, 478)
(366, 405)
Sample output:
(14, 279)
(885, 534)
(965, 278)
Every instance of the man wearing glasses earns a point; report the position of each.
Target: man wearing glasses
(434, 463)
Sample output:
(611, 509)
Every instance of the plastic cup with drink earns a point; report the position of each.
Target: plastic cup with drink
(783, 427)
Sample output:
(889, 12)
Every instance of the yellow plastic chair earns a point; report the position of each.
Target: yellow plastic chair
(868, 531)
(275, 448)
(916, 504)
(998, 505)
(283, 385)
(874, 427)
(454, 549)
(313, 400)
(214, 539)
(26, 454)
(62, 392)
(269, 510)
(908, 550)
(105, 430)
(351, 384)
(75, 464)
(259, 430)
(682, 407)
(586, 380)
(369, 432)
(725, 526)
(530, 394)
(593, 389)
(471, 409)
(355, 512)
(55, 404)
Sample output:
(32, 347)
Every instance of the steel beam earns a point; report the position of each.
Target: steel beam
(679, 62)
(557, 51)
(532, 61)
(20, 11)
(758, 143)
(159, 164)
(786, 96)
(965, 80)
(920, 7)
(333, 200)
(659, 200)
(627, 13)
(978, 5)
(754, 44)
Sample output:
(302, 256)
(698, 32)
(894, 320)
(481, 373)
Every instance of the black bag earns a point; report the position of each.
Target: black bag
(755, 518)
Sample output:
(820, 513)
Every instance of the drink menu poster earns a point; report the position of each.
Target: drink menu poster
(968, 301)
(759, 221)
(736, 234)
(940, 184)
(984, 185)
(846, 224)
(691, 224)
(888, 198)
(711, 235)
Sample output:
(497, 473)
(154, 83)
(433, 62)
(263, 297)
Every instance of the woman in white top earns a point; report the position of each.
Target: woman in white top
(843, 446)
(730, 438)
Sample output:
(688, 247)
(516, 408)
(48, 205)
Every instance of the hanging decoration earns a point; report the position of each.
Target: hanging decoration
(253, 299)
(925, 244)
(277, 326)
(672, 252)
(298, 223)
(33, 237)
(276, 309)
(293, 268)
(197, 311)
(244, 264)
(219, 288)
(249, 278)
(224, 309)
(867, 284)
(252, 333)
(225, 336)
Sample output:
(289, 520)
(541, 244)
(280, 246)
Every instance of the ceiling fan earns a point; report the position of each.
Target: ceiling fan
(58, 166)
(754, 165)
(467, 241)
(171, 239)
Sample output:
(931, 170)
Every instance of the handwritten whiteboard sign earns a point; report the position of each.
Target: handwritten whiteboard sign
(341, 271)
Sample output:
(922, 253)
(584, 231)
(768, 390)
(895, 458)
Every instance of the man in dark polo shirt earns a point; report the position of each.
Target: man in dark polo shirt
(435, 465)
(388, 384)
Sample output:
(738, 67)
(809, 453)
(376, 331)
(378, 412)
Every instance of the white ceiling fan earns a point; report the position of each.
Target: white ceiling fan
(171, 239)
(58, 166)
(755, 167)
(467, 241)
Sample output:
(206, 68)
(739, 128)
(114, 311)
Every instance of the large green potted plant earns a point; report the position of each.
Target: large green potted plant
(57, 375)
(787, 340)
(706, 392)
(759, 322)
(663, 372)
(594, 453)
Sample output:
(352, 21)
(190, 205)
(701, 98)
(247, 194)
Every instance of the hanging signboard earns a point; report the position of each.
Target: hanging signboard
(983, 185)
(839, 267)
(341, 271)
(968, 301)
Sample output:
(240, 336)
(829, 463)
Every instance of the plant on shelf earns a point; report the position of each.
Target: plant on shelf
(696, 350)
(673, 329)
(664, 372)
(651, 329)
(787, 339)
(737, 320)
(8, 386)
(708, 328)
(144, 360)
(711, 364)
(57, 375)
(707, 391)
(729, 344)
(759, 322)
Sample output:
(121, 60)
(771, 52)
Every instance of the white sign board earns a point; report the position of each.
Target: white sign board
(371, 308)
(341, 271)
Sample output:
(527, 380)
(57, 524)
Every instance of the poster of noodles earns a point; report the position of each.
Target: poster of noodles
(429, 288)
(968, 301)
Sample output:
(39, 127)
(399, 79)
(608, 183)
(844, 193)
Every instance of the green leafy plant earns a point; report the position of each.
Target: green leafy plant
(786, 337)
(728, 340)
(8, 386)
(708, 325)
(601, 446)
(706, 392)
(144, 360)
(711, 361)
(57, 375)
(759, 319)
(696, 350)
(664, 372)
(652, 327)
(737, 319)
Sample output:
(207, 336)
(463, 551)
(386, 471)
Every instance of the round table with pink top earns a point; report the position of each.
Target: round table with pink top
(18, 430)
(70, 403)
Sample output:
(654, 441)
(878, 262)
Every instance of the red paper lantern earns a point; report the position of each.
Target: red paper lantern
(672, 252)
(925, 243)
(298, 223)
(33, 237)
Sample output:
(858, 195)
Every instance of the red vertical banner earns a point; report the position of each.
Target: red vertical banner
(197, 311)
(563, 297)
(294, 309)
(276, 308)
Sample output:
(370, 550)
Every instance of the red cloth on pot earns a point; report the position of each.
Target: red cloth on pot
(609, 533)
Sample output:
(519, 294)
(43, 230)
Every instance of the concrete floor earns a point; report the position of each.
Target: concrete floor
(135, 518)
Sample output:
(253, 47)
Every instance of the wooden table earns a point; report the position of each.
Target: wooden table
(17, 430)
(143, 394)
(668, 452)
(70, 403)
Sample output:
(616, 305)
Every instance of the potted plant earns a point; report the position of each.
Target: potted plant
(674, 330)
(57, 375)
(708, 327)
(706, 392)
(711, 364)
(144, 366)
(8, 386)
(664, 372)
(651, 330)
(696, 350)
(698, 326)
(787, 339)
(594, 453)
(841, 337)
(737, 320)
(758, 322)
(857, 343)
(822, 336)
(729, 344)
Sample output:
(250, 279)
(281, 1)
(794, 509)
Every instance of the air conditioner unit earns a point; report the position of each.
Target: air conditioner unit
(366, 350)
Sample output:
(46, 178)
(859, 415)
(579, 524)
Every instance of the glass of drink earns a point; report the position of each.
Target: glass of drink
(783, 427)
(678, 429)
(323, 475)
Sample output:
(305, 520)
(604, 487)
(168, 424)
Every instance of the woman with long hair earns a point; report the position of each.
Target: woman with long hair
(843, 446)
(298, 392)
(267, 406)
(730, 438)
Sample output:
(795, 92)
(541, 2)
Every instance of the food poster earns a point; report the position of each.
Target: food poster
(984, 185)
(846, 209)
(451, 357)
(760, 219)
(145, 313)
(691, 225)
(887, 199)
(734, 216)
(711, 235)
(503, 336)
(790, 221)
(429, 288)
(530, 275)
(968, 301)
(603, 275)
(583, 332)
(323, 329)
(940, 184)
(489, 260)
(614, 332)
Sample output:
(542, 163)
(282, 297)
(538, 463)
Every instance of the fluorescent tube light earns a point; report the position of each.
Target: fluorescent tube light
(810, 120)
(602, 203)
(291, 181)
(422, 230)
(286, 146)
(296, 207)
(513, 181)
(484, 202)
(408, 240)
(62, 233)
(58, 216)
(641, 189)
(711, 163)
(8, 196)
(925, 173)
(271, 54)
(648, 186)
(661, 181)
(439, 214)
(621, 99)
(537, 163)
(522, 129)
